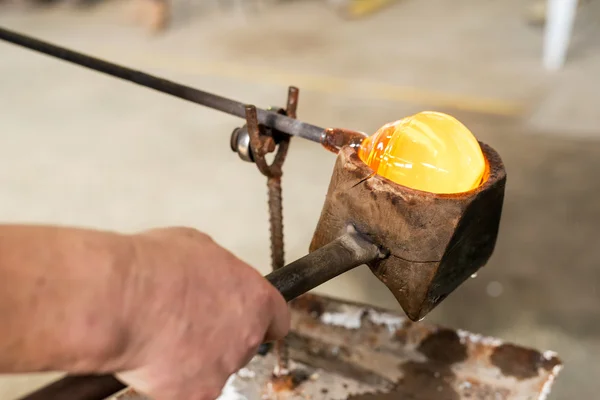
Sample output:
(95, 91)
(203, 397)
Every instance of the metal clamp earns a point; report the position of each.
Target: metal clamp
(253, 141)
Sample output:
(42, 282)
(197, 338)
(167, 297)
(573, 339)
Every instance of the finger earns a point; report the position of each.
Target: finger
(279, 325)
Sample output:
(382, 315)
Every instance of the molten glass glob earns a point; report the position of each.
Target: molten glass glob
(429, 151)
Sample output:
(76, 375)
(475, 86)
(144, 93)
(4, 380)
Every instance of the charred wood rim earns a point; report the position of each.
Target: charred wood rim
(494, 172)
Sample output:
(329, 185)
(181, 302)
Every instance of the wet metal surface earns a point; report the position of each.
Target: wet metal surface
(356, 352)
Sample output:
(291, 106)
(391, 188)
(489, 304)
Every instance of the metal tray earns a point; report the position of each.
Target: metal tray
(342, 350)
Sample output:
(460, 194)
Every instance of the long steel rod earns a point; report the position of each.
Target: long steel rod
(270, 119)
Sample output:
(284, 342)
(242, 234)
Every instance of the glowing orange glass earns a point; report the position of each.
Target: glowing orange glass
(428, 151)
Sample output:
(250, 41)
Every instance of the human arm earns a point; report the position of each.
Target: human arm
(169, 310)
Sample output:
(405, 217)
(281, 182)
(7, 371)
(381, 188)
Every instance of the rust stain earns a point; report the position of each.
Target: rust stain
(401, 336)
(373, 340)
(432, 379)
(288, 382)
(314, 324)
(309, 303)
(521, 363)
(444, 347)
(428, 380)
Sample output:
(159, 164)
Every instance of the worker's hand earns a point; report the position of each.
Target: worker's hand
(198, 314)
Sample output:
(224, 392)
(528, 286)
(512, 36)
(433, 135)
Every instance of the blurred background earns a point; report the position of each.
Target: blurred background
(79, 148)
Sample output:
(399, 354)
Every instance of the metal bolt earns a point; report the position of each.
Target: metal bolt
(240, 144)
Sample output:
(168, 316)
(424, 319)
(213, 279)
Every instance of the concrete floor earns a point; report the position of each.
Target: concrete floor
(79, 148)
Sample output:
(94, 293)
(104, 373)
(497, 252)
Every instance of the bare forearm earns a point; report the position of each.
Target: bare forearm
(169, 310)
(61, 298)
